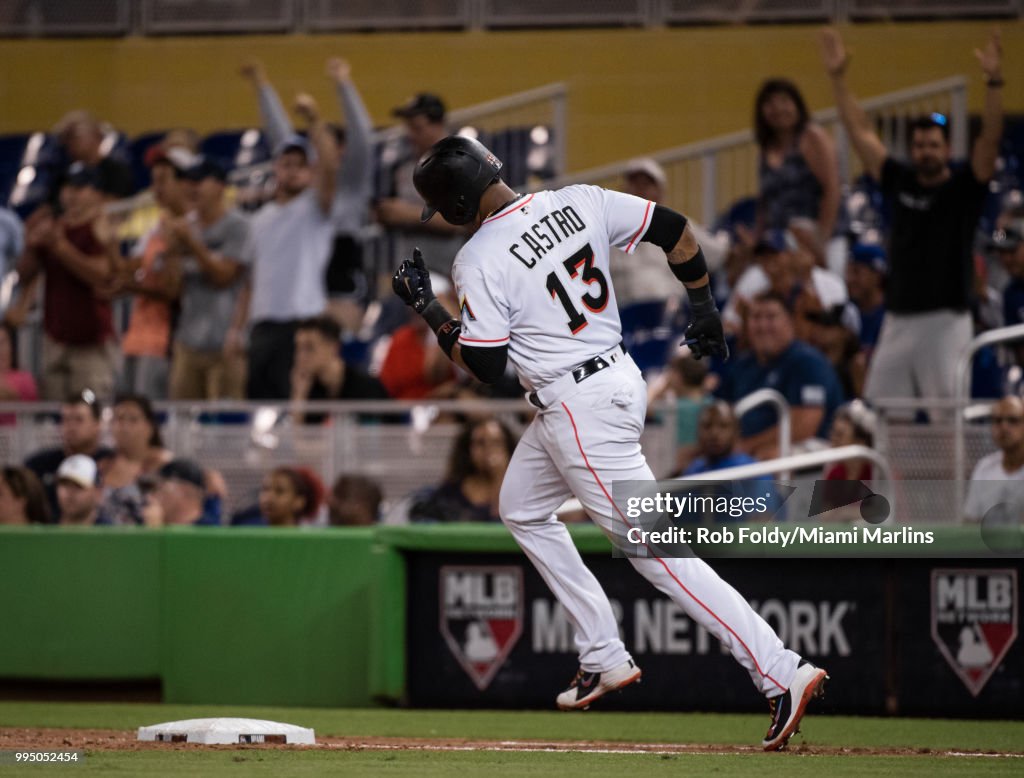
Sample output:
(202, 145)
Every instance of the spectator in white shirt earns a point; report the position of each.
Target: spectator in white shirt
(998, 478)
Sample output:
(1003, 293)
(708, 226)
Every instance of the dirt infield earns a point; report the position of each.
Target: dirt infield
(124, 740)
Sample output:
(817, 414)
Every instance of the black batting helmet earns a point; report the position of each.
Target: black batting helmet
(453, 176)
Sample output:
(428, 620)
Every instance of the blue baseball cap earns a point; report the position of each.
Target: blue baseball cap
(871, 255)
(772, 242)
(296, 142)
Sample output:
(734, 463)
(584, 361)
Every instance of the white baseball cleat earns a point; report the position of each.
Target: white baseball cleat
(788, 708)
(587, 687)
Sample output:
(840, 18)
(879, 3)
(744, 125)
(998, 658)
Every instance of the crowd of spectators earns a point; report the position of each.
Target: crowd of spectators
(264, 306)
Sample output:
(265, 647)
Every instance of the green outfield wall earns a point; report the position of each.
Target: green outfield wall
(218, 615)
(333, 617)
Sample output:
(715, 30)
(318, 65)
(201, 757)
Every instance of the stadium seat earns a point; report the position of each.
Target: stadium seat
(644, 333)
(642, 316)
(44, 160)
(651, 353)
(12, 148)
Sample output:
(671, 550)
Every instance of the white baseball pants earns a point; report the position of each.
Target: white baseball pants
(588, 436)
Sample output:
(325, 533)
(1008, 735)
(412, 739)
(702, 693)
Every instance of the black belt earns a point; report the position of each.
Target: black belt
(580, 373)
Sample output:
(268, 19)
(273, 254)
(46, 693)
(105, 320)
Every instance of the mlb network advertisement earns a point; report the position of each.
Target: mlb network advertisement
(916, 637)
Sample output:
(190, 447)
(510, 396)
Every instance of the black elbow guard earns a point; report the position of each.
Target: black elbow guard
(665, 228)
(487, 364)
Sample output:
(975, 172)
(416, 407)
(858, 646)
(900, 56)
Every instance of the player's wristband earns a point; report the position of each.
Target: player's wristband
(693, 269)
(448, 335)
(701, 301)
(444, 326)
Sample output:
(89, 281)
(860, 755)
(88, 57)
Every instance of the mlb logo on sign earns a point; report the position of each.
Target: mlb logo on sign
(974, 620)
(481, 616)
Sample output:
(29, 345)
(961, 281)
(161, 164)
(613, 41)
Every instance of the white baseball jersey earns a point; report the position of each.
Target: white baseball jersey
(535, 276)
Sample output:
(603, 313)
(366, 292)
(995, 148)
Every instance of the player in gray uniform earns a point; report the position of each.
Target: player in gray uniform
(533, 287)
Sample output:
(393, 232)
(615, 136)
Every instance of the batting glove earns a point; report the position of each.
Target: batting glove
(411, 282)
(705, 336)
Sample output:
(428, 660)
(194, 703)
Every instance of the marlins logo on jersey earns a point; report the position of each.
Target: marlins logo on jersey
(465, 311)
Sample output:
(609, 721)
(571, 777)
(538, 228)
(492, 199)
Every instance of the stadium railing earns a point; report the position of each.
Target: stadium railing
(706, 177)
(774, 398)
(403, 446)
(962, 396)
(782, 466)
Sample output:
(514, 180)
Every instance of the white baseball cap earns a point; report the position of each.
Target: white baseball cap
(649, 168)
(79, 469)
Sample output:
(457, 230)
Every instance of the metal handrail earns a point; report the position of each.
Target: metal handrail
(557, 92)
(767, 396)
(341, 407)
(786, 464)
(962, 393)
(707, 150)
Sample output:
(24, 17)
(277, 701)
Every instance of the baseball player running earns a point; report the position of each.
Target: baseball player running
(534, 288)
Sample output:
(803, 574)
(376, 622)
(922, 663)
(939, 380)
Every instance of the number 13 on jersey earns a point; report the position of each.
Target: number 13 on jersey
(594, 300)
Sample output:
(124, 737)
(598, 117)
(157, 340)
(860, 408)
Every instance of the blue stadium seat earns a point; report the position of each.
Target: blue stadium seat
(12, 148)
(652, 353)
(46, 161)
(643, 315)
(644, 333)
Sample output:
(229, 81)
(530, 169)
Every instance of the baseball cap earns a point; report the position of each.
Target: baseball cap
(648, 167)
(206, 167)
(80, 174)
(422, 104)
(78, 469)
(187, 470)
(772, 242)
(1009, 237)
(295, 142)
(869, 255)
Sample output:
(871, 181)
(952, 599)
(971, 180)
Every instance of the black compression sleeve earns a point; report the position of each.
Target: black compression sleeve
(665, 228)
(487, 363)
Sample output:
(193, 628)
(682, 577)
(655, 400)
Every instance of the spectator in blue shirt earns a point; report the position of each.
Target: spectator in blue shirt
(779, 361)
(1009, 245)
(865, 281)
(718, 432)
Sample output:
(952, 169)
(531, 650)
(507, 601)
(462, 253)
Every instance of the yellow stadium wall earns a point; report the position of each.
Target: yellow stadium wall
(631, 91)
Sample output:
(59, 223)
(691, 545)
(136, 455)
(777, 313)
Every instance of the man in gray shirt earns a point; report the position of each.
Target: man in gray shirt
(400, 206)
(207, 364)
(345, 278)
